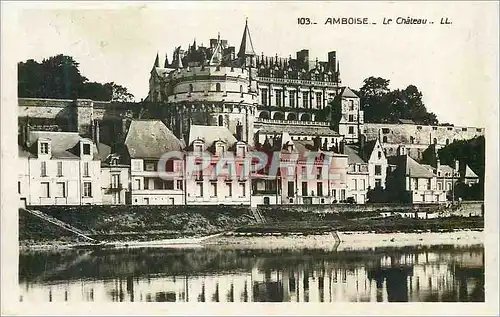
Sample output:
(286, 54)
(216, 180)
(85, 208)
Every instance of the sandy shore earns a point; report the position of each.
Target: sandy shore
(331, 241)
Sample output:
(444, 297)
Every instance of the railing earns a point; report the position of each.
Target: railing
(297, 81)
(294, 122)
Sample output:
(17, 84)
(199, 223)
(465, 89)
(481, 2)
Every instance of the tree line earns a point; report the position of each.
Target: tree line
(59, 77)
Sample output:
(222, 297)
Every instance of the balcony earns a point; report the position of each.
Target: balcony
(293, 122)
(304, 82)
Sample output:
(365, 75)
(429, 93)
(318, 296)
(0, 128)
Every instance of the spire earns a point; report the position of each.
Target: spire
(246, 47)
(194, 45)
(157, 60)
(166, 61)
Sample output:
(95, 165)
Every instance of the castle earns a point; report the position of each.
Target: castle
(251, 101)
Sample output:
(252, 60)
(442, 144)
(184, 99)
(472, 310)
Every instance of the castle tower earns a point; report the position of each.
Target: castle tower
(246, 52)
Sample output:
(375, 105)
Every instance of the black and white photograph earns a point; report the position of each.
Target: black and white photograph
(326, 157)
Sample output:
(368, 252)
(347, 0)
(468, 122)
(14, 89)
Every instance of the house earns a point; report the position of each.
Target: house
(115, 177)
(446, 177)
(58, 168)
(358, 177)
(154, 180)
(373, 153)
(412, 182)
(217, 167)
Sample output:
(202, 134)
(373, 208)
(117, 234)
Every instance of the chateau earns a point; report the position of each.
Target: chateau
(222, 100)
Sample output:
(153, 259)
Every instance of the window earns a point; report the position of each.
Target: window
(351, 105)
(412, 140)
(43, 169)
(277, 96)
(305, 99)
(464, 129)
(319, 172)
(61, 189)
(362, 184)
(217, 87)
(378, 170)
(435, 141)
(428, 184)
(378, 183)
(241, 91)
(87, 189)
(45, 190)
(440, 186)
(351, 118)
(86, 169)
(18, 187)
(190, 88)
(419, 128)
(243, 189)
(434, 128)
(304, 188)
(180, 185)
(304, 171)
(220, 121)
(264, 97)
(229, 189)
(115, 181)
(137, 184)
(351, 130)
(146, 183)
(200, 189)
(214, 189)
(319, 188)
(86, 149)
(166, 184)
(59, 169)
(447, 141)
(355, 184)
(448, 186)
(44, 148)
(291, 98)
(291, 189)
(379, 155)
(319, 100)
(384, 139)
(478, 130)
(198, 148)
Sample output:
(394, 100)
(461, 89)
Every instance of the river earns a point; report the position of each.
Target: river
(441, 273)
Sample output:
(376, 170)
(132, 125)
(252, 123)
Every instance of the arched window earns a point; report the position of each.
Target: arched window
(190, 88)
(217, 87)
(435, 141)
(412, 140)
(221, 121)
(447, 141)
(384, 139)
(291, 116)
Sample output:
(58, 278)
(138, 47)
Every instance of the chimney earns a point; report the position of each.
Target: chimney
(239, 131)
(332, 61)
(342, 147)
(457, 165)
(317, 143)
(97, 132)
(438, 164)
(380, 135)
(362, 145)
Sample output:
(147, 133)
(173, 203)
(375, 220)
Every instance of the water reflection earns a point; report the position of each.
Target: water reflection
(439, 273)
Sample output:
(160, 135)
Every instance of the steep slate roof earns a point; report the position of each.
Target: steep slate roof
(246, 47)
(62, 144)
(210, 134)
(347, 92)
(150, 139)
(161, 72)
(297, 130)
(23, 153)
(104, 151)
(352, 156)
(469, 173)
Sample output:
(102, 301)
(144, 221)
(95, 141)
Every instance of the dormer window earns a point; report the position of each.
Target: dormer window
(219, 149)
(44, 148)
(379, 155)
(198, 148)
(86, 149)
(241, 150)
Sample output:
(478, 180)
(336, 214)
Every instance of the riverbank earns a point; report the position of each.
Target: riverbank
(154, 226)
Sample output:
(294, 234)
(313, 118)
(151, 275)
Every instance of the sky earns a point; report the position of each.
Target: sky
(455, 66)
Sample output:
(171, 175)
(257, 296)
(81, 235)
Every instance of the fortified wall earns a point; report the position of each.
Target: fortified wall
(417, 138)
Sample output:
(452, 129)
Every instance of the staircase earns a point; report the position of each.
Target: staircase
(60, 224)
(258, 216)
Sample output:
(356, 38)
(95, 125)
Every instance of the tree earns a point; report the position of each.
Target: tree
(59, 77)
(382, 105)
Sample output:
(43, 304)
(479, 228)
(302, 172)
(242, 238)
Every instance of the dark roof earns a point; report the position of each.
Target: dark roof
(297, 130)
(150, 139)
(23, 153)
(368, 149)
(104, 151)
(62, 144)
(414, 169)
(210, 134)
(352, 155)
